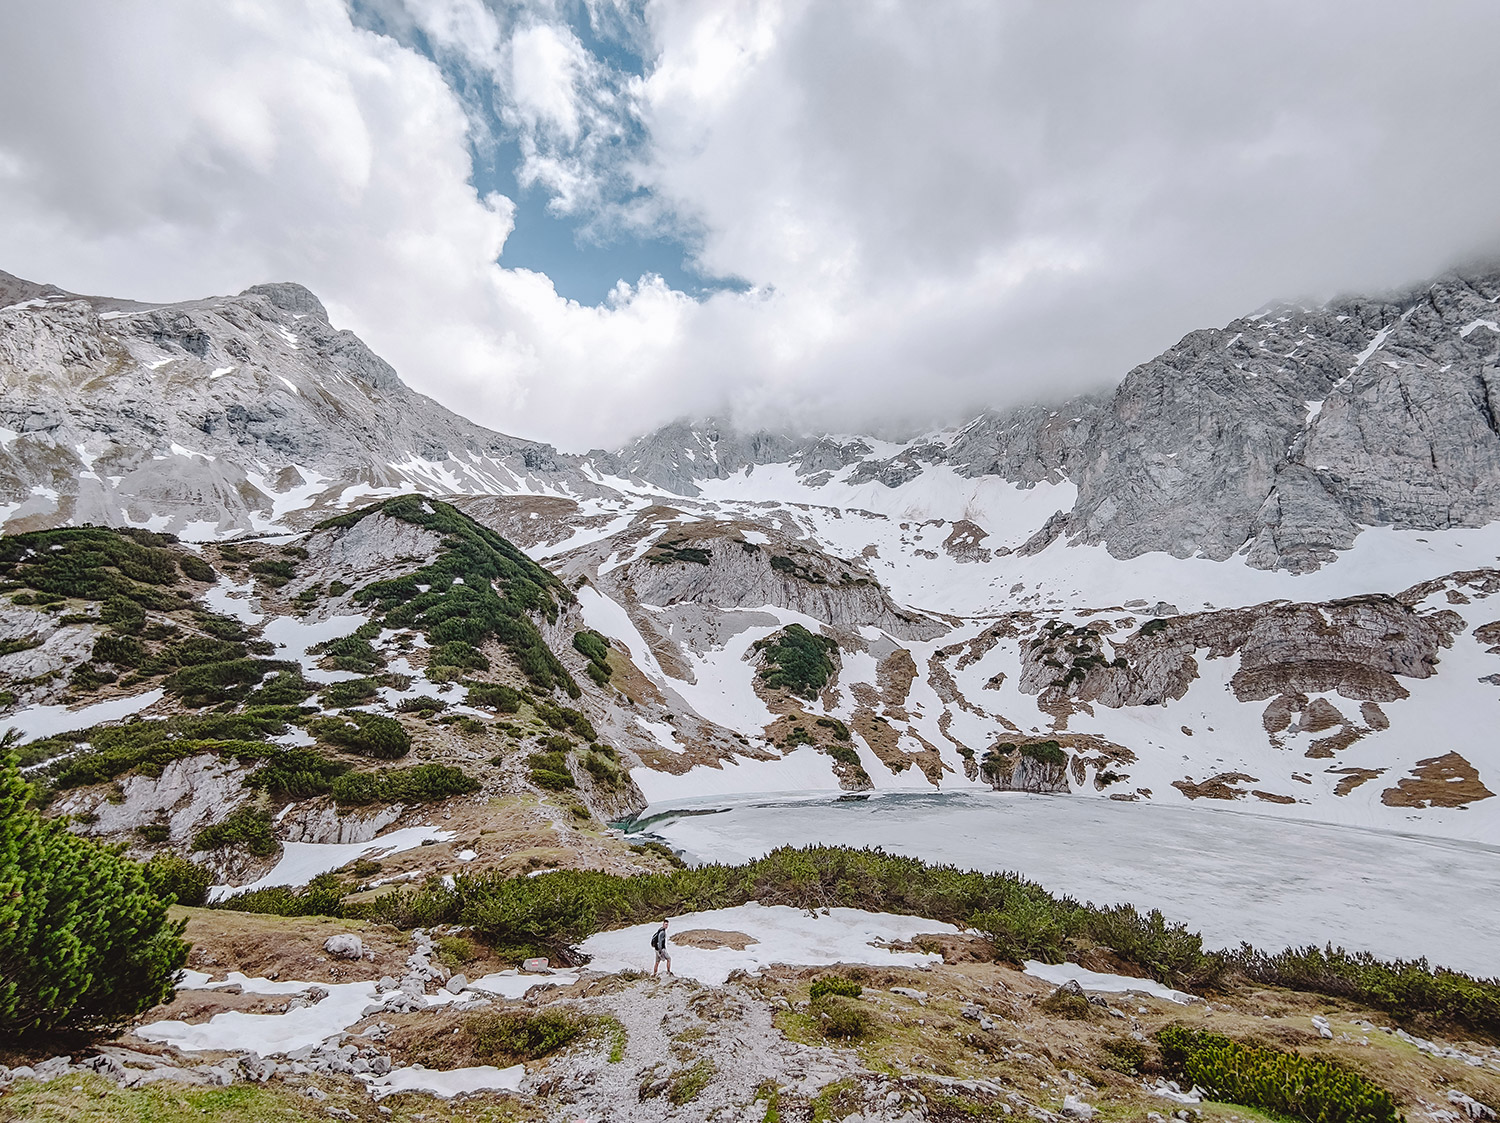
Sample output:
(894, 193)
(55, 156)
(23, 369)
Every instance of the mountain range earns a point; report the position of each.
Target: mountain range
(1256, 573)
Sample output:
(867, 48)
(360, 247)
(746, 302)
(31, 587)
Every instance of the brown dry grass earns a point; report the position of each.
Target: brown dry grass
(292, 946)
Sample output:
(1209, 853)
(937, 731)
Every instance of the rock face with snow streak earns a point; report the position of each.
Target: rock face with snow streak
(234, 412)
(1279, 436)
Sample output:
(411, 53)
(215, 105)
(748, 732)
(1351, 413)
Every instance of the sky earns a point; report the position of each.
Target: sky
(574, 220)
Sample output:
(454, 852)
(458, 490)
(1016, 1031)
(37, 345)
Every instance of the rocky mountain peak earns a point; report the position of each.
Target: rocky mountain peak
(290, 297)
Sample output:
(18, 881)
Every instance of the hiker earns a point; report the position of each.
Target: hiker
(659, 942)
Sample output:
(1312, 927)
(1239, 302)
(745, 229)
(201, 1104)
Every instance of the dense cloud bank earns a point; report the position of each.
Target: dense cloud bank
(932, 207)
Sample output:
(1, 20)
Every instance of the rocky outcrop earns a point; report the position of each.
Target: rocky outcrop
(1357, 647)
(1039, 767)
(712, 564)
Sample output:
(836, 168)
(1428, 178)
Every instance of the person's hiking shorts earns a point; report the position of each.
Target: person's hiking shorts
(661, 954)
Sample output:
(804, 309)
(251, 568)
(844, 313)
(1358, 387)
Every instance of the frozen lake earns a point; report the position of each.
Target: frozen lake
(1233, 876)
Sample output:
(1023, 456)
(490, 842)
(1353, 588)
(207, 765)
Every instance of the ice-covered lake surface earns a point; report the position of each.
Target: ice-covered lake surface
(1233, 876)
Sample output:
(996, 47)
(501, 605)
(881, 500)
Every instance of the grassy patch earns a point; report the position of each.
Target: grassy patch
(686, 1084)
(92, 1099)
(507, 1037)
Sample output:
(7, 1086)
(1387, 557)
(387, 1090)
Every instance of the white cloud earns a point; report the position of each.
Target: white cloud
(938, 206)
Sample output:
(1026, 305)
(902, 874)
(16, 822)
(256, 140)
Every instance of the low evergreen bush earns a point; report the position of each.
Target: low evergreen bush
(840, 1018)
(175, 877)
(423, 783)
(322, 896)
(834, 984)
(494, 696)
(293, 773)
(797, 661)
(509, 1037)
(85, 943)
(595, 648)
(372, 735)
(1282, 1083)
(350, 692)
(248, 825)
(550, 770)
(1409, 990)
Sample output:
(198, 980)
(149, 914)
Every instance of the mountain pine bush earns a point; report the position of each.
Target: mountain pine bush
(84, 942)
(1284, 1084)
(796, 660)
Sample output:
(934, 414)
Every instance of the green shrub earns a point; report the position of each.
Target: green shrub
(146, 747)
(797, 661)
(512, 1036)
(175, 877)
(563, 717)
(372, 735)
(1067, 1002)
(84, 942)
(1409, 990)
(456, 952)
(458, 653)
(595, 648)
(123, 615)
(294, 773)
(214, 683)
(248, 825)
(604, 770)
(121, 651)
(423, 783)
(423, 706)
(661, 850)
(840, 730)
(195, 568)
(285, 688)
(494, 696)
(275, 572)
(834, 984)
(1026, 927)
(1124, 1054)
(668, 553)
(1284, 1084)
(841, 1018)
(350, 692)
(550, 770)
(322, 896)
(351, 653)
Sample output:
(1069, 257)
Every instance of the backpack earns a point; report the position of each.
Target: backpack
(659, 940)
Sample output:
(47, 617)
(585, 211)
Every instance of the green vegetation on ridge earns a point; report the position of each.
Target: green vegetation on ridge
(797, 661)
(479, 587)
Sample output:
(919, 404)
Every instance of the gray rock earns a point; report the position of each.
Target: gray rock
(344, 945)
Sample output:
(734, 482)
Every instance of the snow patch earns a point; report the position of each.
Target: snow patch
(782, 934)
